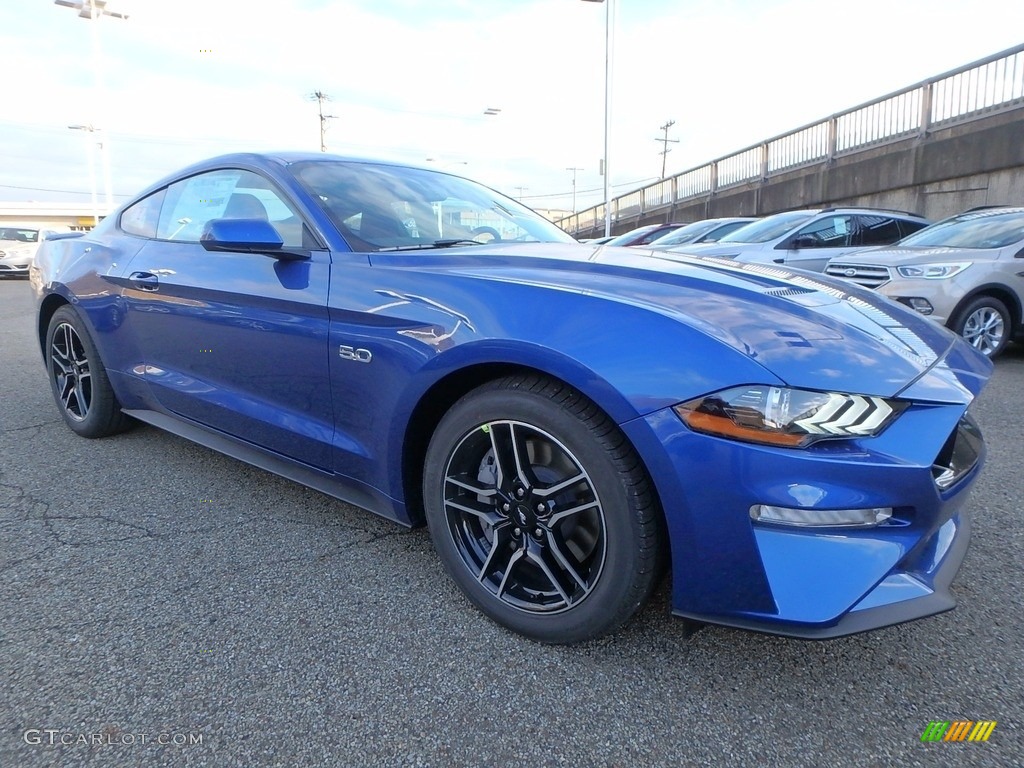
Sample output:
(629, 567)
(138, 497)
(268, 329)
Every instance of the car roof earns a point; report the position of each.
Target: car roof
(265, 161)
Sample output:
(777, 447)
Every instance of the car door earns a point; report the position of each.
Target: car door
(814, 244)
(234, 341)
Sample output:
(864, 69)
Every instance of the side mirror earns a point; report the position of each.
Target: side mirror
(1019, 254)
(246, 236)
(805, 241)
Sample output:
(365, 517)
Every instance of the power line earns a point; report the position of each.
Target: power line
(62, 191)
(588, 191)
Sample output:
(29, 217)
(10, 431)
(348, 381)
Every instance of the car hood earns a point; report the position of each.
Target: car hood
(899, 256)
(808, 330)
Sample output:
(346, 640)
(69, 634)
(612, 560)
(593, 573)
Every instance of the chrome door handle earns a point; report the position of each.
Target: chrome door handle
(144, 281)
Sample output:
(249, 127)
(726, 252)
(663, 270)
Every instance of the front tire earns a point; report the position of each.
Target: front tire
(984, 324)
(78, 379)
(541, 511)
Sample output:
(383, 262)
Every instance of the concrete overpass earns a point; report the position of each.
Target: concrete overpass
(950, 143)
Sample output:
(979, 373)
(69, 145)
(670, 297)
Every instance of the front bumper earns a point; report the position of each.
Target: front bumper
(811, 582)
(10, 267)
(943, 295)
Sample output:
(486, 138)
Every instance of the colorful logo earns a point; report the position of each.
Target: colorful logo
(958, 730)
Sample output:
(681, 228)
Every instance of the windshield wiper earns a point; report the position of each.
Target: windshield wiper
(426, 246)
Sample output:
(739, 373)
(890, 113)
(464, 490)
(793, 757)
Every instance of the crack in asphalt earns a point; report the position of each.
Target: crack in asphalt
(6, 430)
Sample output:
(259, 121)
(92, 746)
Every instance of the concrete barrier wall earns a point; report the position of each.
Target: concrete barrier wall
(979, 162)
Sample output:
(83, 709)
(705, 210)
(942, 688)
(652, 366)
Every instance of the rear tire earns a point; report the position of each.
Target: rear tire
(78, 379)
(541, 510)
(985, 324)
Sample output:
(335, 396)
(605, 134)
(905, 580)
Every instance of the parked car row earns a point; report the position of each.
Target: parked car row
(964, 272)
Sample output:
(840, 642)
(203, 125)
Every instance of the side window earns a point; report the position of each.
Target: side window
(876, 230)
(908, 227)
(141, 218)
(829, 232)
(225, 194)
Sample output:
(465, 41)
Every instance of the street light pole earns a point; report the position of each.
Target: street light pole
(92, 169)
(92, 10)
(607, 110)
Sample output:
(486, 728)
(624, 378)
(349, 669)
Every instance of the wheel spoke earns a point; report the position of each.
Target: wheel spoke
(488, 515)
(67, 391)
(82, 398)
(500, 556)
(564, 513)
(563, 560)
(537, 555)
(517, 555)
(510, 455)
(558, 487)
(66, 333)
(60, 359)
(478, 490)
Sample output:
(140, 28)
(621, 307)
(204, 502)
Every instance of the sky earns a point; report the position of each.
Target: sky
(409, 81)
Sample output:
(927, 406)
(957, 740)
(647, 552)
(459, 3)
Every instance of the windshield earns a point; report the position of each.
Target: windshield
(686, 234)
(768, 228)
(991, 229)
(19, 234)
(386, 207)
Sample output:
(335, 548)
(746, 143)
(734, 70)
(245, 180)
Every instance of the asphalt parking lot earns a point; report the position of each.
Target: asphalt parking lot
(169, 606)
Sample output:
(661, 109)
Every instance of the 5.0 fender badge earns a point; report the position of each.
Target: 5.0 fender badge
(355, 353)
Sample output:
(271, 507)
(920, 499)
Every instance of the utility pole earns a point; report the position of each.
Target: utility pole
(521, 190)
(320, 97)
(665, 141)
(574, 170)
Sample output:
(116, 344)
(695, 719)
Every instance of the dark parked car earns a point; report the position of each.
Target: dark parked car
(704, 231)
(643, 235)
(566, 420)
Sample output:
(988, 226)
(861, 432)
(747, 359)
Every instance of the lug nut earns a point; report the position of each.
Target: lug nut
(520, 493)
(505, 507)
(538, 532)
(517, 531)
(541, 508)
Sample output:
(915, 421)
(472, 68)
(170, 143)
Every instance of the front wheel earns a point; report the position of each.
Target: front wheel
(985, 324)
(540, 510)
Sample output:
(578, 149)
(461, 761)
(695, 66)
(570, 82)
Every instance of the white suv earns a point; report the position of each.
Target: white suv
(966, 272)
(808, 239)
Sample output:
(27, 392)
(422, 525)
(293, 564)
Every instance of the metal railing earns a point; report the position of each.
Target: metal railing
(986, 86)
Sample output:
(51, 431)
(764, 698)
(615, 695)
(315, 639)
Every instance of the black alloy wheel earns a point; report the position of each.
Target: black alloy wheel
(78, 379)
(540, 510)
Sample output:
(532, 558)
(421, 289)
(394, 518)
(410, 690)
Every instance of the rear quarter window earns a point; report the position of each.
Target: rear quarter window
(141, 218)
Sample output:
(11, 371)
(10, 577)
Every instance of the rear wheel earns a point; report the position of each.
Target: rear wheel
(985, 324)
(541, 511)
(78, 379)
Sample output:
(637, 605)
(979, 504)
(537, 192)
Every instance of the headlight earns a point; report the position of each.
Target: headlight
(933, 271)
(792, 418)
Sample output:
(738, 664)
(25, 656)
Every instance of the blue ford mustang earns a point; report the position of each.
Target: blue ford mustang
(566, 419)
